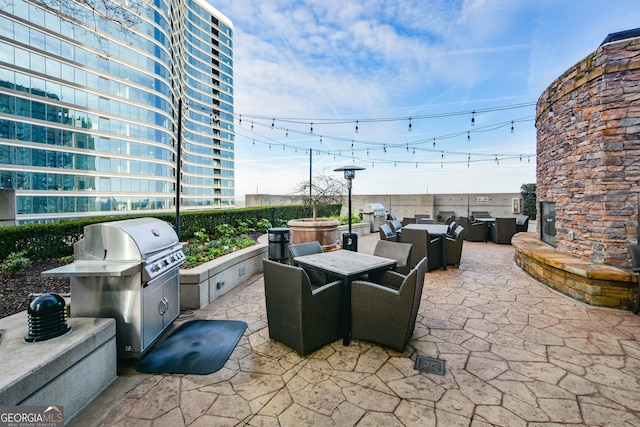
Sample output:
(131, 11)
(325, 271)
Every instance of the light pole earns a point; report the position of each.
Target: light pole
(349, 240)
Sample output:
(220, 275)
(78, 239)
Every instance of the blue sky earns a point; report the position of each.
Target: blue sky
(375, 64)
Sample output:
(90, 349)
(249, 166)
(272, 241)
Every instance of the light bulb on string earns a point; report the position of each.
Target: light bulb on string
(407, 148)
(253, 141)
(512, 129)
(473, 118)
(320, 139)
(384, 148)
(311, 128)
(434, 142)
(410, 126)
(251, 125)
(240, 120)
(468, 136)
(356, 126)
(414, 150)
(287, 133)
(273, 123)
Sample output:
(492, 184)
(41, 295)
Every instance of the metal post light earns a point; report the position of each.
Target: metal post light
(349, 241)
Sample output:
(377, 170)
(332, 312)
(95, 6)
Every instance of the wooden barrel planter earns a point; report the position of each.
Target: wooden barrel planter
(324, 230)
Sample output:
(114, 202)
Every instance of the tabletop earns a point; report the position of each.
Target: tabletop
(431, 228)
(345, 263)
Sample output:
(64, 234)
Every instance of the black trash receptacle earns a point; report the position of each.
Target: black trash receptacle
(279, 245)
(350, 241)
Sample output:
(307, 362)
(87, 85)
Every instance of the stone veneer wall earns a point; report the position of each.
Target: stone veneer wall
(588, 159)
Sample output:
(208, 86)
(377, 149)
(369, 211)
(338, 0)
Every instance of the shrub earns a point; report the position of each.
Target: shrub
(16, 262)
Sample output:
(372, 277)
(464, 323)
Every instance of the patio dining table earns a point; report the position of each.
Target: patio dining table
(346, 265)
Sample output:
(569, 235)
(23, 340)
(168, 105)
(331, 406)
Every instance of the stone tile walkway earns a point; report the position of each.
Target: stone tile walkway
(516, 353)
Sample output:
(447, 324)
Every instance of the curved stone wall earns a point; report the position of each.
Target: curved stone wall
(588, 159)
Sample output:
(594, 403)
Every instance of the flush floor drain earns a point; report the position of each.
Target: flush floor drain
(430, 365)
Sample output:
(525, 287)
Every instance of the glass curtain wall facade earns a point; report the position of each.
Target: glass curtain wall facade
(90, 111)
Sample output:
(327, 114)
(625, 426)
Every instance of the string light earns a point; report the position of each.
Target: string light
(364, 145)
(410, 128)
(356, 126)
(240, 121)
(473, 118)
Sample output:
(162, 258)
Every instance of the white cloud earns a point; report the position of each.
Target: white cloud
(377, 58)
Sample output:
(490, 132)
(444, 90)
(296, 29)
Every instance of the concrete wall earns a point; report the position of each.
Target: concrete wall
(407, 205)
(588, 157)
(7, 207)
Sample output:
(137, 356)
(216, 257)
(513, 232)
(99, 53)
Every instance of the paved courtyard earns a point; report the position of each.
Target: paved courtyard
(516, 354)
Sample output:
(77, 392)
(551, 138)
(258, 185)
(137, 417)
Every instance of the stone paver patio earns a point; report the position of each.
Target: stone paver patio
(516, 352)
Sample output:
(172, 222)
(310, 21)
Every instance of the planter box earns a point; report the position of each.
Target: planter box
(69, 370)
(203, 284)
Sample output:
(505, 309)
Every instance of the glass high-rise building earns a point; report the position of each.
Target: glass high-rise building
(100, 118)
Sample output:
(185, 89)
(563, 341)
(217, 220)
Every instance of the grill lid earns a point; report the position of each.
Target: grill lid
(127, 240)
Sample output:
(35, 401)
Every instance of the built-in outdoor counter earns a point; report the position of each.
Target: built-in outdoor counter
(595, 284)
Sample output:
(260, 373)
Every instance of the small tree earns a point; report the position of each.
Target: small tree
(528, 192)
(324, 190)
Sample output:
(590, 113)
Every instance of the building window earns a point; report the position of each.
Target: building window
(548, 225)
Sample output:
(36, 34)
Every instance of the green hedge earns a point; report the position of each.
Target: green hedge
(56, 239)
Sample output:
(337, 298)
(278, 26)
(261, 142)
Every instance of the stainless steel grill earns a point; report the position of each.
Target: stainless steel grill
(376, 214)
(128, 270)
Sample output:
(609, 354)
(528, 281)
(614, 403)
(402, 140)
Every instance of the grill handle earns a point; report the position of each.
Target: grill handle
(163, 307)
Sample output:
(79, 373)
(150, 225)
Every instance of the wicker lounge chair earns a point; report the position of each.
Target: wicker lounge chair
(317, 278)
(424, 245)
(298, 317)
(386, 233)
(502, 230)
(522, 224)
(386, 314)
(453, 246)
(474, 231)
(401, 252)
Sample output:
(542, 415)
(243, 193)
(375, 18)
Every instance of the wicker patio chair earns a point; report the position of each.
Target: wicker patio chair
(386, 313)
(424, 245)
(473, 231)
(297, 316)
(386, 233)
(317, 278)
(401, 252)
(502, 230)
(522, 224)
(408, 220)
(453, 246)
